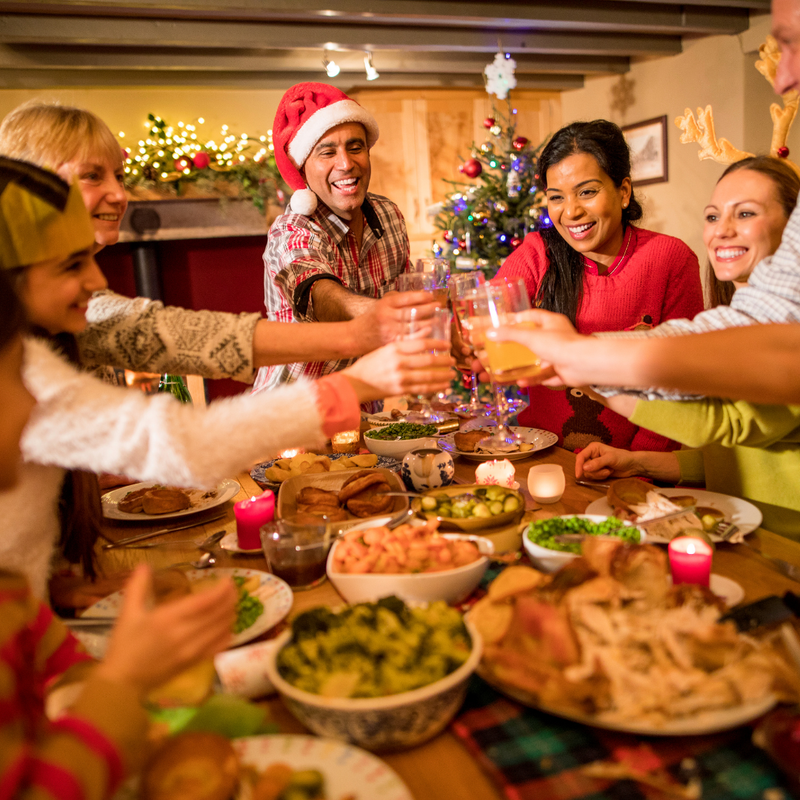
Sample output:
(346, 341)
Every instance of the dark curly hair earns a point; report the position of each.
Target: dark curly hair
(561, 288)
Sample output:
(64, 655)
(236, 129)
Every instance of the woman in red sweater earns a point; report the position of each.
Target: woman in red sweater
(601, 271)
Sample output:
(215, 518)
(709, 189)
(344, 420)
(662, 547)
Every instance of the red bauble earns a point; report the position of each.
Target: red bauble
(447, 236)
(183, 164)
(462, 243)
(783, 152)
(515, 242)
(125, 154)
(488, 122)
(472, 168)
(519, 142)
(201, 160)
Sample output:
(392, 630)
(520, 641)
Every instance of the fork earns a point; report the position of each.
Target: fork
(727, 530)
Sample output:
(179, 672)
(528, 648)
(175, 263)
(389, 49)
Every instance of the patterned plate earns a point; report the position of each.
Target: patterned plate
(257, 473)
(540, 439)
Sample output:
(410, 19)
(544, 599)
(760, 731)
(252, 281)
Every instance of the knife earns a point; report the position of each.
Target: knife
(150, 534)
(770, 610)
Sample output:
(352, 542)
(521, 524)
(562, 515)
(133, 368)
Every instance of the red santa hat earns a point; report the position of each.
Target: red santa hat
(306, 113)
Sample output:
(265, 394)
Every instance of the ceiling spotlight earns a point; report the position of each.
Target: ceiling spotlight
(372, 73)
(331, 67)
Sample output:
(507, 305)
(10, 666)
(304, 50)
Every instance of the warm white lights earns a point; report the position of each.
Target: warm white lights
(372, 73)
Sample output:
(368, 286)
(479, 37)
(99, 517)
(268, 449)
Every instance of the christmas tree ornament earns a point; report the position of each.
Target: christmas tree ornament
(487, 148)
(471, 193)
(515, 242)
(481, 263)
(500, 206)
(495, 130)
(448, 236)
(519, 142)
(517, 164)
(480, 213)
(534, 212)
(437, 249)
(201, 160)
(500, 77)
(471, 168)
(462, 243)
(488, 122)
(183, 165)
(513, 183)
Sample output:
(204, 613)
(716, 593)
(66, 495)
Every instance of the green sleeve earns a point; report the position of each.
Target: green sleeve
(691, 465)
(699, 422)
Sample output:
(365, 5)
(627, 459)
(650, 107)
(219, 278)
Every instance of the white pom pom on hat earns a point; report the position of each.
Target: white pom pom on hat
(305, 114)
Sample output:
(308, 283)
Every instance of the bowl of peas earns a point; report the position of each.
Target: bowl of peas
(470, 507)
(548, 555)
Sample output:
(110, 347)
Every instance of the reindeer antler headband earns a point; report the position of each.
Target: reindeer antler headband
(701, 130)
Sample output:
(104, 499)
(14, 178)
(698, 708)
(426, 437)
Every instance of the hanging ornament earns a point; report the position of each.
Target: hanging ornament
(201, 160)
(471, 168)
(534, 213)
(501, 206)
(183, 165)
(503, 166)
(472, 193)
(519, 142)
(448, 236)
(514, 183)
(488, 122)
(495, 130)
(437, 249)
(487, 148)
(515, 243)
(500, 76)
(517, 164)
(481, 213)
(462, 243)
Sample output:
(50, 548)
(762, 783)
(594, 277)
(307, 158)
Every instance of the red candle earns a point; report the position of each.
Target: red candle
(690, 560)
(250, 516)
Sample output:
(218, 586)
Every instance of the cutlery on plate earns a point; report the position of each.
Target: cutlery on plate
(601, 487)
(727, 531)
(161, 531)
(204, 562)
(206, 544)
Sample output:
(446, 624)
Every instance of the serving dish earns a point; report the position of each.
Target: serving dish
(333, 482)
(744, 515)
(540, 439)
(397, 448)
(547, 560)
(257, 473)
(348, 771)
(226, 490)
(379, 723)
(472, 524)
(274, 594)
(452, 585)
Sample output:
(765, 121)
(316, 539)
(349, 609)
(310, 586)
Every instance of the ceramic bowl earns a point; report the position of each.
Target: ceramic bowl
(472, 524)
(548, 560)
(379, 723)
(452, 585)
(397, 448)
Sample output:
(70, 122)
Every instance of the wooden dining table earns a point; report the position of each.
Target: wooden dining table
(442, 768)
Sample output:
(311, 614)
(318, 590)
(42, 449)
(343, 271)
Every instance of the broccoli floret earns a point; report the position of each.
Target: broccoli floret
(313, 622)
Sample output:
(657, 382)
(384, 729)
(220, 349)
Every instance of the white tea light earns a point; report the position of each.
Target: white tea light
(498, 473)
(546, 483)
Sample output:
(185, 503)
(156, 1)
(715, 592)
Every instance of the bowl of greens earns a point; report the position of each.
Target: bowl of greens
(381, 675)
(549, 555)
(399, 438)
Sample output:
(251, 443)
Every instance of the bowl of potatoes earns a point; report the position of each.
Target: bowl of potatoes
(470, 507)
(271, 474)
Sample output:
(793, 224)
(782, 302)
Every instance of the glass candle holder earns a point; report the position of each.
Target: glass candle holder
(499, 473)
(250, 516)
(345, 441)
(546, 483)
(690, 560)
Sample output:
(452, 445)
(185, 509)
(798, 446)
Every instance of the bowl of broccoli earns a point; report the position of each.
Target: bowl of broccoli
(381, 675)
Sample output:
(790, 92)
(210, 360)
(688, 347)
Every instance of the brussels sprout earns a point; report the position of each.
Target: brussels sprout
(429, 503)
(481, 510)
(446, 510)
(494, 492)
(496, 508)
(511, 503)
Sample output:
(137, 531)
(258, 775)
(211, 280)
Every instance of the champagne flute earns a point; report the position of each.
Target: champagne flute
(462, 288)
(436, 326)
(502, 303)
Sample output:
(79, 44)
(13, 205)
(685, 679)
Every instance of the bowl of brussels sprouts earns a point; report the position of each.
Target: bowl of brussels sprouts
(471, 507)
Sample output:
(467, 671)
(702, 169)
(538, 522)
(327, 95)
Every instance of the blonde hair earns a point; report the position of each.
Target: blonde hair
(48, 134)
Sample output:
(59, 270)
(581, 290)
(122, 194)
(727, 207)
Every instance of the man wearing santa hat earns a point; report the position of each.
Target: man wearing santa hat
(338, 249)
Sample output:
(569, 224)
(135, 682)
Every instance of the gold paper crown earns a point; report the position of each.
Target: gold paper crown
(701, 130)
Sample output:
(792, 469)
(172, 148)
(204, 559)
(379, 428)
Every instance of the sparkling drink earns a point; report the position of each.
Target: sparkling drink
(510, 361)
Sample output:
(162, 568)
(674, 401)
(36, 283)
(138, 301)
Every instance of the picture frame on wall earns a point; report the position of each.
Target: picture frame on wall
(648, 143)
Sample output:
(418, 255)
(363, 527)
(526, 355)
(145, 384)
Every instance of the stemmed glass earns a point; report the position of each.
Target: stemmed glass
(501, 303)
(430, 326)
(462, 288)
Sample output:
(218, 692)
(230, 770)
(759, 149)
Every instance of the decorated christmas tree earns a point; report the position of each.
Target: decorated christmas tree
(484, 220)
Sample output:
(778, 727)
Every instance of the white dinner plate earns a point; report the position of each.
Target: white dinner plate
(348, 770)
(274, 594)
(744, 515)
(228, 489)
(540, 439)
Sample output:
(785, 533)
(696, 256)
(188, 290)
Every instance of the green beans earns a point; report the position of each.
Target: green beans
(542, 531)
(402, 430)
(248, 610)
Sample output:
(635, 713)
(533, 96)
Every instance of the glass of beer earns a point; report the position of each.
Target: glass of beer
(425, 282)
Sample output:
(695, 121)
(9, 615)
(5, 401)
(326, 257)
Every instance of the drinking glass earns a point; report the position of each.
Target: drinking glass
(502, 303)
(420, 325)
(297, 553)
(424, 282)
(462, 287)
(438, 267)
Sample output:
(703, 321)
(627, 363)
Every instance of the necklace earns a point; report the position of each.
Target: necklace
(624, 252)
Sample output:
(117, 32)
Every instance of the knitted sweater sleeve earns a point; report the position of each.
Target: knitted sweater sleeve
(147, 336)
(725, 422)
(82, 423)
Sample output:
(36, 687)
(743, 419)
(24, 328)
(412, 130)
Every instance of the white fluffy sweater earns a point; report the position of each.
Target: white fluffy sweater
(82, 423)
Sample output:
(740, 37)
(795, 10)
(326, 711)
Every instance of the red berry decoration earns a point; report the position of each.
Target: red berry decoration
(515, 242)
(783, 152)
(472, 168)
(201, 160)
(519, 142)
(183, 164)
(488, 122)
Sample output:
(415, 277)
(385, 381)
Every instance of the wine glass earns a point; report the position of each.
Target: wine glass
(502, 303)
(462, 287)
(420, 325)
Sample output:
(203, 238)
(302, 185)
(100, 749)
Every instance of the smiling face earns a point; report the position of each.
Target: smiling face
(586, 207)
(56, 293)
(744, 223)
(101, 181)
(16, 404)
(338, 169)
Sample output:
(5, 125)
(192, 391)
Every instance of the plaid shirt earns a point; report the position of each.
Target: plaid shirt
(302, 250)
(772, 295)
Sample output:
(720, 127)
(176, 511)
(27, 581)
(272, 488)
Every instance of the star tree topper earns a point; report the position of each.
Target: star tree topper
(500, 77)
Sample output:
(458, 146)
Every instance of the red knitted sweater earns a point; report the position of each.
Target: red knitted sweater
(656, 280)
